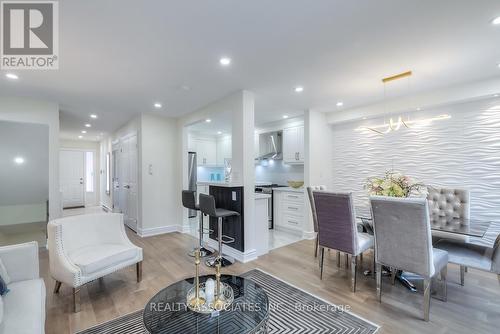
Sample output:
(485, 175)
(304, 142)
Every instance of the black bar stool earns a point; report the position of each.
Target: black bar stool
(207, 206)
(189, 202)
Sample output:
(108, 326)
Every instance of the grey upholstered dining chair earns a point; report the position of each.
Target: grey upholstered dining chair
(403, 241)
(473, 256)
(313, 212)
(337, 228)
(448, 204)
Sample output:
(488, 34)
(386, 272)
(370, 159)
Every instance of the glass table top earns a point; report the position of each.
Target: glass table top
(167, 311)
(468, 227)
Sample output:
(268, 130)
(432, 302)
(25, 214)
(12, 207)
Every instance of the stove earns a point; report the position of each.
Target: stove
(268, 189)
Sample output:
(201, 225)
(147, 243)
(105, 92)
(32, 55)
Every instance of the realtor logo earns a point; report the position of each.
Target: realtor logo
(29, 35)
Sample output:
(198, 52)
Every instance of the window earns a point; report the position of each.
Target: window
(89, 172)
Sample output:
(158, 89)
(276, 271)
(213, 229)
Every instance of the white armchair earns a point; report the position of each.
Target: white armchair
(87, 247)
(24, 305)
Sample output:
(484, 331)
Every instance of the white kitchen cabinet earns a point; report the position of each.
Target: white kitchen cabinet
(206, 151)
(293, 145)
(224, 149)
(289, 211)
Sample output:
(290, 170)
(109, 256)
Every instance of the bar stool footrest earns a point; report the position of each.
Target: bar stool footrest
(227, 240)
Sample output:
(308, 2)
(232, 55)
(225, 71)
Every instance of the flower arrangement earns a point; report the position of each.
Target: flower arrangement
(395, 184)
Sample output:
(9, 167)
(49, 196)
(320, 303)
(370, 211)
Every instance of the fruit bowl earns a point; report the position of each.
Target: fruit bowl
(295, 184)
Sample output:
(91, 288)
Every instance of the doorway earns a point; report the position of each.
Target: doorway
(125, 185)
(78, 178)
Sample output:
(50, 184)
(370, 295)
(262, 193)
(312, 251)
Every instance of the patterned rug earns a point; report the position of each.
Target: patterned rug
(298, 312)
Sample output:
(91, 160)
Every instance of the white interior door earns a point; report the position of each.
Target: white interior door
(71, 178)
(132, 190)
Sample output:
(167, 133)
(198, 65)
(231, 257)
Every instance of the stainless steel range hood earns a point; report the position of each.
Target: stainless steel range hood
(270, 146)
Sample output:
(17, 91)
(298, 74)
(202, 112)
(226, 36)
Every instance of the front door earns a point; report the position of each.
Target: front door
(71, 172)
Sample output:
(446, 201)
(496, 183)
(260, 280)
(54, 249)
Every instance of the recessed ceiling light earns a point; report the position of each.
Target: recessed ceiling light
(88, 125)
(208, 120)
(285, 116)
(496, 95)
(219, 132)
(83, 131)
(19, 160)
(94, 116)
(299, 89)
(12, 76)
(80, 137)
(364, 117)
(225, 61)
(418, 109)
(496, 21)
(157, 105)
(340, 104)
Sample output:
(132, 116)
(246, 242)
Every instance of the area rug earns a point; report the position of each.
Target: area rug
(292, 311)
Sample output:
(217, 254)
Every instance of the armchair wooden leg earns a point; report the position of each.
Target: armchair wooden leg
(57, 287)
(354, 260)
(379, 282)
(76, 300)
(427, 298)
(338, 259)
(462, 275)
(139, 271)
(346, 260)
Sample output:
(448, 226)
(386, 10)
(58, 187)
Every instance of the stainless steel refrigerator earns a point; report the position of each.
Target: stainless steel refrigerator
(192, 164)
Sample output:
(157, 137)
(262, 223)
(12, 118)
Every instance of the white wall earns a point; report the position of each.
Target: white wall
(41, 112)
(317, 167)
(461, 152)
(106, 200)
(160, 195)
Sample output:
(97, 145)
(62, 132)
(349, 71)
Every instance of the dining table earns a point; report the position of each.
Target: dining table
(465, 227)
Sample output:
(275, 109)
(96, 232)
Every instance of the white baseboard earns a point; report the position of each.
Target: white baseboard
(309, 235)
(148, 232)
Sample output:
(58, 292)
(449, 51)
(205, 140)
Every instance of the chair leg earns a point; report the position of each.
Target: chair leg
(139, 271)
(354, 260)
(466, 269)
(374, 266)
(393, 276)
(346, 260)
(316, 242)
(462, 275)
(57, 287)
(379, 282)
(321, 262)
(76, 300)
(338, 259)
(361, 259)
(444, 273)
(427, 298)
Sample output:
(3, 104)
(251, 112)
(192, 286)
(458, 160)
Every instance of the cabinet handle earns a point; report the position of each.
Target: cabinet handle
(293, 222)
(292, 208)
(204, 161)
(298, 155)
(293, 196)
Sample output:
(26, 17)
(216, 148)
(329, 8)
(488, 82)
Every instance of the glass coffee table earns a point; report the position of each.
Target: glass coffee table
(167, 311)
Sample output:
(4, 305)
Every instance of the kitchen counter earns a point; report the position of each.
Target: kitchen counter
(262, 196)
(219, 184)
(290, 189)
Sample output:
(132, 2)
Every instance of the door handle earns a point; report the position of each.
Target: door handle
(126, 187)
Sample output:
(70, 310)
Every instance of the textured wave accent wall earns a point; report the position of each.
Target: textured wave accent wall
(460, 152)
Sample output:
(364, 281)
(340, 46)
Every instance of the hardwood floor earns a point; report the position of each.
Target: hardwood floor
(473, 308)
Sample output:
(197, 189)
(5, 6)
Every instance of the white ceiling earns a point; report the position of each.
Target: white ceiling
(26, 183)
(118, 57)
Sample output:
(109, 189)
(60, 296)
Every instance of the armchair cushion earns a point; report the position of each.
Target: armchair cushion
(91, 259)
(24, 307)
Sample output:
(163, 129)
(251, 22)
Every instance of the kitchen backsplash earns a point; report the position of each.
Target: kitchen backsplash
(276, 171)
(210, 173)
